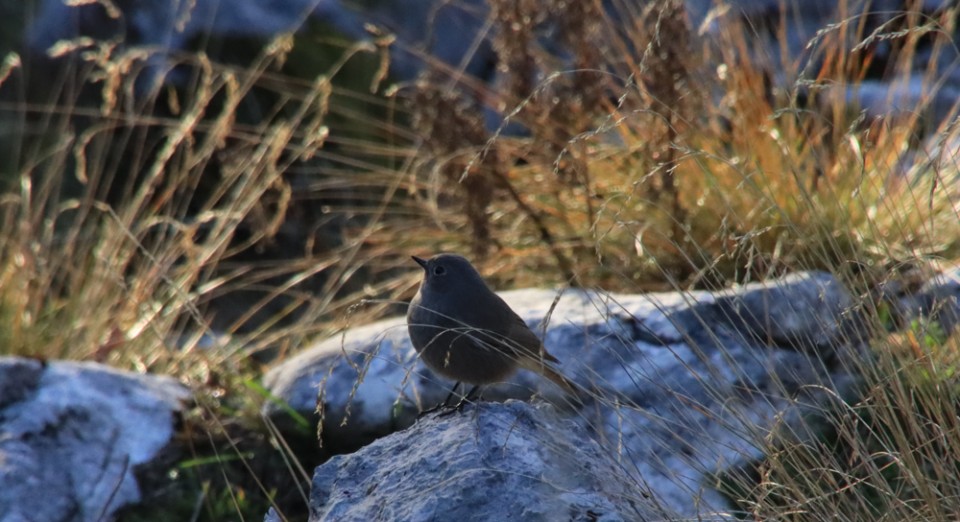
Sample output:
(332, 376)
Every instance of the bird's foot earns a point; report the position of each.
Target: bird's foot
(445, 405)
(457, 408)
(428, 411)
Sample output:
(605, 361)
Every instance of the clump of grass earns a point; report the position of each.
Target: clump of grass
(124, 219)
(116, 227)
(681, 167)
(890, 454)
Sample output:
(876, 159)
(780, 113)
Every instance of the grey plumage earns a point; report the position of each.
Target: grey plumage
(466, 332)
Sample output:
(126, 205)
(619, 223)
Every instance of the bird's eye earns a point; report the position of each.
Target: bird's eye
(439, 270)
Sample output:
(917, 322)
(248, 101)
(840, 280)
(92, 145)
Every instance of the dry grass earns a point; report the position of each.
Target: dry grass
(890, 455)
(646, 162)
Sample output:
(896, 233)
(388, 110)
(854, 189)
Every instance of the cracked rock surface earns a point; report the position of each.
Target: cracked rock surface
(72, 435)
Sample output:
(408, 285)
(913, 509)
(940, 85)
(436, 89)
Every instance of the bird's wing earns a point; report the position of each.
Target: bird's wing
(510, 332)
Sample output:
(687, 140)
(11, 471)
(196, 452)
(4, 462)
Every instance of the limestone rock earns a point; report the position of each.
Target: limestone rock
(72, 434)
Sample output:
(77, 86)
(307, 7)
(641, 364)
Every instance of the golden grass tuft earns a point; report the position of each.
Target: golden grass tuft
(646, 161)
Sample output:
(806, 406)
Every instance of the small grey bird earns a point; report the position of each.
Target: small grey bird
(465, 332)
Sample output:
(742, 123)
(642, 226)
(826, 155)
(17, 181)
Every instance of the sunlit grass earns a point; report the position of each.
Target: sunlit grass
(890, 454)
(124, 229)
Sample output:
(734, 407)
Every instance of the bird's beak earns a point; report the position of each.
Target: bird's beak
(421, 262)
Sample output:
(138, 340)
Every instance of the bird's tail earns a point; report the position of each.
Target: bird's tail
(556, 377)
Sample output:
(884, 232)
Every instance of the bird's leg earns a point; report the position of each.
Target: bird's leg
(470, 394)
(445, 403)
(468, 398)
